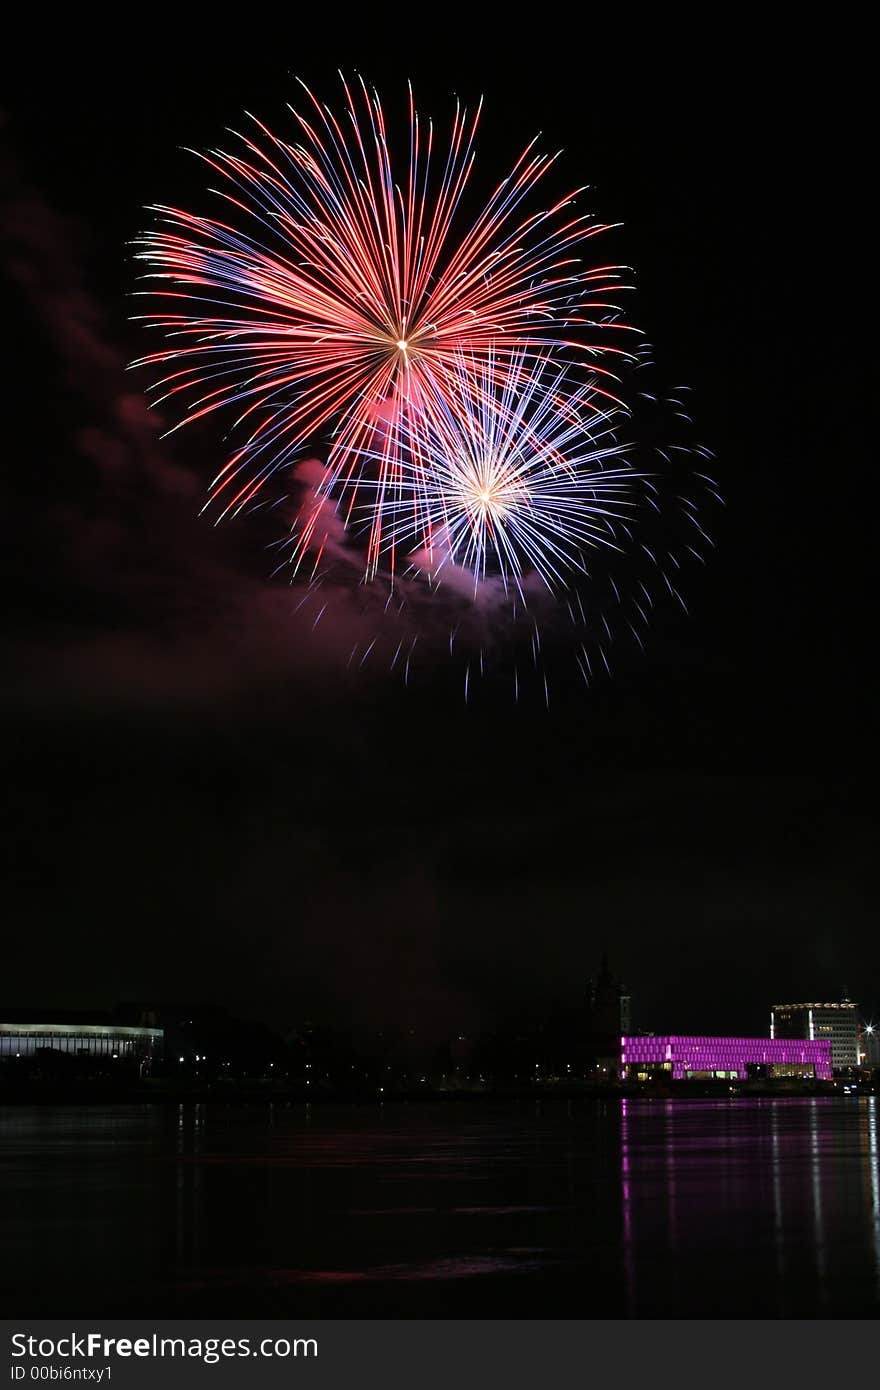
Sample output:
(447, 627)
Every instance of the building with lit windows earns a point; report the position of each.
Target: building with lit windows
(835, 1023)
(91, 1040)
(682, 1058)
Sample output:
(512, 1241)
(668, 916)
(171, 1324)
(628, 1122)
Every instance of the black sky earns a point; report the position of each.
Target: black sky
(197, 811)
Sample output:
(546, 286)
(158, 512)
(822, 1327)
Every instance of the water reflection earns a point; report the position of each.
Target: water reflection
(778, 1195)
(775, 1202)
(635, 1208)
(874, 1182)
(629, 1266)
(188, 1175)
(816, 1177)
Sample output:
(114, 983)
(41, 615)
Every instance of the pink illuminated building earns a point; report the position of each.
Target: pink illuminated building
(700, 1058)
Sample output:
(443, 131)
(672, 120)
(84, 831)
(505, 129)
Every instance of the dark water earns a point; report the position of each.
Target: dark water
(589, 1209)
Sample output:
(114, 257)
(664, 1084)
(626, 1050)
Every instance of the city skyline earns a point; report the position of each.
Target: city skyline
(593, 1033)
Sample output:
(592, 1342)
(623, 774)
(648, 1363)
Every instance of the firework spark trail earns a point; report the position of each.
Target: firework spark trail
(610, 587)
(484, 465)
(510, 473)
(338, 300)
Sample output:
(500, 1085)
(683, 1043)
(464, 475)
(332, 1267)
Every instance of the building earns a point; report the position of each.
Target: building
(609, 1016)
(703, 1059)
(838, 1023)
(74, 1037)
(870, 1047)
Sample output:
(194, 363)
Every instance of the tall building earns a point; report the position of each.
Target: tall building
(609, 1015)
(870, 1046)
(838, 1023)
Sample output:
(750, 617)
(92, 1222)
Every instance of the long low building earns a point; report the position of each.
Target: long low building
(111, 1040)
(704, 1059)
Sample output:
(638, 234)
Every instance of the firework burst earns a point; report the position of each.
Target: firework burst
(513, 472)
(463, 372)
(340, 291)
(549, 528)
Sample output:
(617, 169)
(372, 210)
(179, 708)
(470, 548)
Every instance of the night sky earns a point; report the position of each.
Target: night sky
(204, 804)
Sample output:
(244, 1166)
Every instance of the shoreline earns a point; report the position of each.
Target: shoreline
(231, 1094)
